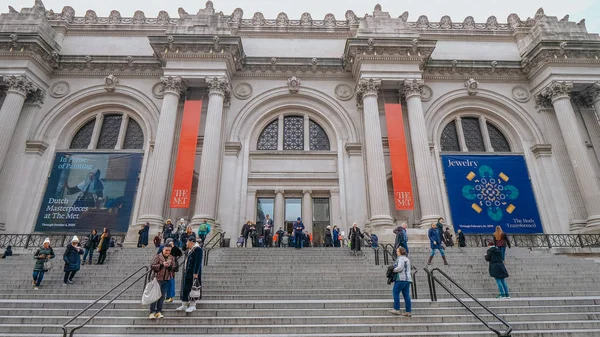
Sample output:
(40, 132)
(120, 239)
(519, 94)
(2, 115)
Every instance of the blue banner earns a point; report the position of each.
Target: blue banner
(489, 191)
(88, 191)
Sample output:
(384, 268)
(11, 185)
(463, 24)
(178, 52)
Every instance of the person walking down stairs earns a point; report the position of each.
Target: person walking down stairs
(192, 275)
(72, 260)
(355, 237)
(41, 256)
(402, 283)
(165, 266)
(435, 242)
(104, 245)
(143, 235)
(497, 269)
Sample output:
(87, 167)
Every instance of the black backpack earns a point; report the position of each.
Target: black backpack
(390, 275)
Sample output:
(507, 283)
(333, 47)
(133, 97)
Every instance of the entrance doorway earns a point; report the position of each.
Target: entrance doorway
(293, 210)
(320, 220)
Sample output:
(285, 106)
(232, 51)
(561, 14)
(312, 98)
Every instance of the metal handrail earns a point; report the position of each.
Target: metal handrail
(414, 270)
(539, 240)
(145, 275)
(432, 279)
(208, 248)
(36, 240)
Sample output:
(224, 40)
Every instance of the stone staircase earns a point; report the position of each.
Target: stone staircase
(311, 292)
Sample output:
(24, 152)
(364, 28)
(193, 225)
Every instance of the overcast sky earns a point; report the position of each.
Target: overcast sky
(434, 9)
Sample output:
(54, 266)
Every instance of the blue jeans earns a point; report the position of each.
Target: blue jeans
(502, 286)
(298, 239)
(440, 249)
(86, 252)
(503, 251)
(158, 305)
(404, 288)
(171, 290)
(38, 276)
(405, 246)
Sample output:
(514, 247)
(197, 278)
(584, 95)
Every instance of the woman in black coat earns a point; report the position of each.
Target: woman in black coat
(462, 241)
(497, 269)
(143, 232)
(355, 237)
(328, 237)
(90, 245)
(104, 244)
(72, 260)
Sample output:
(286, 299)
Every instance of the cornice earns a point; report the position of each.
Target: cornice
(465, 69)
(560, 52)
(31, 46)
(358, 50)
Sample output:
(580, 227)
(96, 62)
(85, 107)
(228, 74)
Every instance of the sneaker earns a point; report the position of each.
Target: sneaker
(169, 300)
(500, 296)
(36, 288)
(64, 284)
(507, 296)
(70, 281)
(152, 316)
(183, 307)
(395, 312)
(191, 308)
(407, 314)
(159, 315)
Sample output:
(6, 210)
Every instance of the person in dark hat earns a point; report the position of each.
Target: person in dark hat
(298, 230)
(192, 273)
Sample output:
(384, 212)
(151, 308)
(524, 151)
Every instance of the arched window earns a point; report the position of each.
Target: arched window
(109, 132)
(268, 137)
(294, 135)
(473, 134)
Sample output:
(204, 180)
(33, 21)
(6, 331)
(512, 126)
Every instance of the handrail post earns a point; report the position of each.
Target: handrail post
(580, 240)
(548, 240)
(28, 240)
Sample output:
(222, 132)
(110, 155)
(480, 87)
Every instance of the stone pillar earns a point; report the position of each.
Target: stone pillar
(559, 95)
(334, 204)
(279, 216)
(157, 175)
(590, 118)
(251, 205)
(206, 200)
(307, 210)
(366, 93)
(426, 178)
(18, 89)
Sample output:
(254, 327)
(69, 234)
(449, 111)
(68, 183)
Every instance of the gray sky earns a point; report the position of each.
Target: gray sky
(434, 9)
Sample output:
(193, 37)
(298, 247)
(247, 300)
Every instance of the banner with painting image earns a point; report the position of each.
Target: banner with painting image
(486, 191)
(90, 190)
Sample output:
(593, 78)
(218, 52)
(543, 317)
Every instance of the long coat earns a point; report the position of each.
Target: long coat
(462, 241)
(328, 238)
(497, 268)
(72, 258)
(192, 265)
(355, 237)
(143, 240)
(105, 243)
(435, 242)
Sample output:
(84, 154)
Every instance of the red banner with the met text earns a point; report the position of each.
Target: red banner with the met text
(186, 154)
(403, 195)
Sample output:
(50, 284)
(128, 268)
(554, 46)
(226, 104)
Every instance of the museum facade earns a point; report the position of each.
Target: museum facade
(495, 123)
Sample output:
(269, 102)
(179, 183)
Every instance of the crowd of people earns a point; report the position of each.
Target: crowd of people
(181, 242)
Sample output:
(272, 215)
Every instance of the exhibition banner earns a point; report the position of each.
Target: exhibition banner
(88, 191)
(403, 195)
(186, 155)
(488, 191)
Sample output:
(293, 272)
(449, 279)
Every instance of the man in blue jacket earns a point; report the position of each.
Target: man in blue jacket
(298, 229)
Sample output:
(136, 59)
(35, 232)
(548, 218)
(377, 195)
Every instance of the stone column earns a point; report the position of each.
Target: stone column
(307, 210)
(206, 200)
(279, 216)
(366, 93)
(157, 175)
(590, 119)
(18, 89)
(422, 157)
(559, 95)
(334, 204)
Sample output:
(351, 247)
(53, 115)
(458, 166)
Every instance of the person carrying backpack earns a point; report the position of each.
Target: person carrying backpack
(203, 230)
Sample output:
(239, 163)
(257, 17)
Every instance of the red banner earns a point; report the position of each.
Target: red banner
(186, 155)
(403, 195)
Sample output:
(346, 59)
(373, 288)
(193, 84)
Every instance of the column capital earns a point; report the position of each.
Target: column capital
(36, 97)
(19, 84)
(592, 94)
(412, 88)
(174, 85)
(219, 86)
(366, 87)
(279, 192)
(306, 192)
(556, 90)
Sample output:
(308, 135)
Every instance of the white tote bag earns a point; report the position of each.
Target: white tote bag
(151, 293)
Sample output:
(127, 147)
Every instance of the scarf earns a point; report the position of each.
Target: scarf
(101, 241)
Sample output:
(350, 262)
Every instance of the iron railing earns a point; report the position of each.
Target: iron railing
(432, 280)
(539, 240)
(211, 244)
(56, 240)
(145, 276)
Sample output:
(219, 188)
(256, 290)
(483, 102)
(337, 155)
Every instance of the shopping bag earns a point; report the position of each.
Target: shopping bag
(196, 292)
(47, 265)
(151, 293)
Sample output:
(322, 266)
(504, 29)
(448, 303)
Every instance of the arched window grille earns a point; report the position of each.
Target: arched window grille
(269, 136)
(134, 136)
(294, 135)
(474, 133)
(111, 134)
(83, 137)
(318, 137)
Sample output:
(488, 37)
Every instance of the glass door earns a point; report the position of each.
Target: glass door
(320, 220)
(293, 210)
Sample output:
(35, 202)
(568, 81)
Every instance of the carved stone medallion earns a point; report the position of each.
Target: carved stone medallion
(344, 92)
(158, 90)
(426, 93)
(59, 89)
(243, 91)
(521, 94)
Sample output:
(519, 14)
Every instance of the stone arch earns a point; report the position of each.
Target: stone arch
(61, 123)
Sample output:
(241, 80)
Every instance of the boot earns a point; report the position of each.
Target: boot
(445, 261)
(429, 261)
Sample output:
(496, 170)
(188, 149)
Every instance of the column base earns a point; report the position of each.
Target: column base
(383, 227)
(593, 225)
(577, 225)
(427, 220)
(215, 225)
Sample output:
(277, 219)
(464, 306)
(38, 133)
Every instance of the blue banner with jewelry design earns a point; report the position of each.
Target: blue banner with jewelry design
(486, 191)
